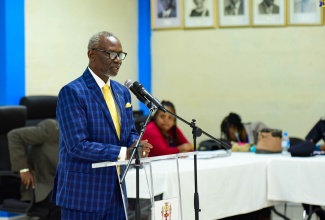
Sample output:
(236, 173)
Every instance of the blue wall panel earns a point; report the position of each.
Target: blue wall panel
(12, 47)
(144, 47)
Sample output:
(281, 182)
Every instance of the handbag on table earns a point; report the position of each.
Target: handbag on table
(269, 141)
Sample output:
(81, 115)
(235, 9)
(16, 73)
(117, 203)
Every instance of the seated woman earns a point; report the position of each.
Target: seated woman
(164, 135)
(234, 130)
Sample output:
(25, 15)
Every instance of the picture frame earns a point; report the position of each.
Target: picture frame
(166, 14)
(275, 15)
(234, 13)
(202, 15)
(306, 12)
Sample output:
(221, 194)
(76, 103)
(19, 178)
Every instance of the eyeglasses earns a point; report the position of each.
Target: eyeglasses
(112, 55)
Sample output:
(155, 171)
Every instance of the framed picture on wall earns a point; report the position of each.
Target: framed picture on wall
(305, 12)
(200, 14)
(269, 12)
(166, 14)
(233, 13)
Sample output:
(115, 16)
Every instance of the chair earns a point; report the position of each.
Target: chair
(10, 194)
(139, 121)
(210, 144)
(11, 117)
(137, 113)
(39, 107)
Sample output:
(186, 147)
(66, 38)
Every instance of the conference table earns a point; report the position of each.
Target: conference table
(233, 183)
(296, 179)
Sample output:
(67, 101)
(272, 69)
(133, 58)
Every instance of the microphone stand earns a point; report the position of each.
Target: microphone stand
(135, 152)
(197, 132)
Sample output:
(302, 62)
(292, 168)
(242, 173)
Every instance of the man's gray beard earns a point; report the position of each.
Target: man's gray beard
(108, 75)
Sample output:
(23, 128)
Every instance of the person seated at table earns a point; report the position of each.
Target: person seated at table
(234, 130)
(164, 135)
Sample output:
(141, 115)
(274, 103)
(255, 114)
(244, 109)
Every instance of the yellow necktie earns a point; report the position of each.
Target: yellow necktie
(112, 108)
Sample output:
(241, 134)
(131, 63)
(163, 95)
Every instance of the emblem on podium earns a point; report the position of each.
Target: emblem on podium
(167, 209)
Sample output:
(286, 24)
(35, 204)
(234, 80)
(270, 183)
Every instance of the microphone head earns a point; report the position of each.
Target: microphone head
(137, 85)
(128, 83)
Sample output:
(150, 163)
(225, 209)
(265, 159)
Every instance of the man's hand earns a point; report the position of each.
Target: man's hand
(143, 149)
(27, 179)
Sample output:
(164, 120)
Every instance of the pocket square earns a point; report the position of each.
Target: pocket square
(128, 105)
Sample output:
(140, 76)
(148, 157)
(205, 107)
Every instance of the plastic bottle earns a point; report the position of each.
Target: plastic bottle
(285, 143)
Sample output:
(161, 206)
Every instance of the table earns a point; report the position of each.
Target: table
(238, 184)
(227, 186)
(297, 179)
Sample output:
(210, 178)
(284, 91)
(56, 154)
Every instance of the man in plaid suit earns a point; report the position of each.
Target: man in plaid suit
(88, 135)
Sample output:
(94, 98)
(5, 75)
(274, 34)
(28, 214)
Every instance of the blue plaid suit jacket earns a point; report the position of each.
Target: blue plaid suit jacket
(88, 135)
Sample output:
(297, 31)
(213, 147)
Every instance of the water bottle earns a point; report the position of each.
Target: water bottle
(285, 143)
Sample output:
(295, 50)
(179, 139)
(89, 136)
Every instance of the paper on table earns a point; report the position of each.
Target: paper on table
(211, 154)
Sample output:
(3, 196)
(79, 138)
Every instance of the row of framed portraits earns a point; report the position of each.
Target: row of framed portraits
(167, 14)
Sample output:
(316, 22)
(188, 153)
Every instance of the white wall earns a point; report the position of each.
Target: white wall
(57, 35)
(275, 75)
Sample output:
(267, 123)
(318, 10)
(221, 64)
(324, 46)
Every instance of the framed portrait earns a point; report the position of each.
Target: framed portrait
(305, 12)
(269, 12)
(233, 13)
(200, 13)
(166, 14)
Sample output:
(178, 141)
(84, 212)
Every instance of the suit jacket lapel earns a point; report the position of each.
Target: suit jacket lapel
(98, 96)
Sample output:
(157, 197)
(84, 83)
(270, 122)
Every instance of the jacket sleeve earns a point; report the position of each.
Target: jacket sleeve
(20, 138)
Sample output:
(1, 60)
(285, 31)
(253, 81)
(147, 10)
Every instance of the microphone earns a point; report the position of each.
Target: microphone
(129, 84)
(142, 91)
(138, 90)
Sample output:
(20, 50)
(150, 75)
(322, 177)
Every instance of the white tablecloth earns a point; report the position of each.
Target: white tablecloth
(298, 180)
(240, 183)
(226, 186)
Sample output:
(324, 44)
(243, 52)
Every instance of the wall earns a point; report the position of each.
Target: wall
(57, 35)
(275, 75)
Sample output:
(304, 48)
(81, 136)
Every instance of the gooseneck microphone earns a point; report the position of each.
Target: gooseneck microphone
(142, 91)
(139, 91)
(129, 84)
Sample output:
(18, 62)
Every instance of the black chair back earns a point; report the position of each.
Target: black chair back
(11, 117)
(39, 107)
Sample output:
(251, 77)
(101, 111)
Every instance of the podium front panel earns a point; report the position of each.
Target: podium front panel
(155, 177)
